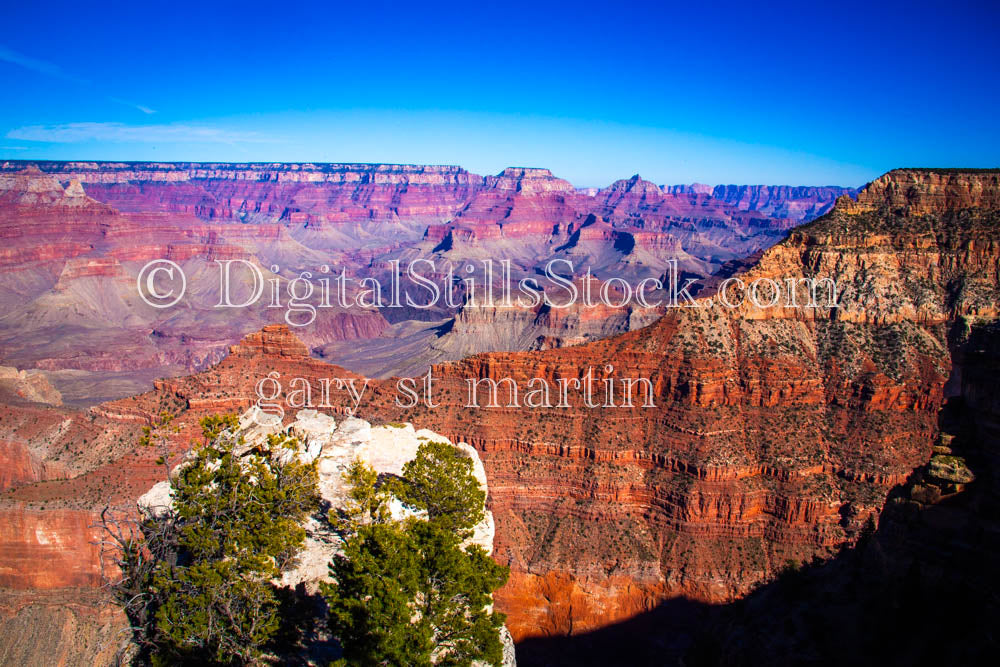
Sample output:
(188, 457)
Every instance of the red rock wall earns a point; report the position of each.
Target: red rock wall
(51, 548)
(775, 432)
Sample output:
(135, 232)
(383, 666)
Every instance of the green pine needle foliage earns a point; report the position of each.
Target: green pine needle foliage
(411, 592)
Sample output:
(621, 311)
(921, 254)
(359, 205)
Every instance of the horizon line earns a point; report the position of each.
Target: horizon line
(460, 168)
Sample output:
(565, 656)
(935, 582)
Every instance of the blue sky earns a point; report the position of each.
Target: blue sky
(729, 93)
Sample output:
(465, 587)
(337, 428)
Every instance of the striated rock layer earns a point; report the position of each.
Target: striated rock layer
(775, 432)
(77, 235)
(797, 203)
(68, 286)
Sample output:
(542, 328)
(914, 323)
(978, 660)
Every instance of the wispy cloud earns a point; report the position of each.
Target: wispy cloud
(35, 65)
(140, 107)
(13, 148)
(53, 70)
(71, 133)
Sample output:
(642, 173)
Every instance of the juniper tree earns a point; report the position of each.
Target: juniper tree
(440, 481)
(411, 592)
(195, 578)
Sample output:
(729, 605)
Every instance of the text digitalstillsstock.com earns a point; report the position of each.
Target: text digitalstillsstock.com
(242, 284)
(162, 283)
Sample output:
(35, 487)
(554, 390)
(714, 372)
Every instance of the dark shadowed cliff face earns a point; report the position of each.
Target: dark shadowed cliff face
(918, 588)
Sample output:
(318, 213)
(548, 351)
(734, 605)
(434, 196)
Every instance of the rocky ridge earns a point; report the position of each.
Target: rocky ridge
(30, 386)
(797, 203)
(604, 512)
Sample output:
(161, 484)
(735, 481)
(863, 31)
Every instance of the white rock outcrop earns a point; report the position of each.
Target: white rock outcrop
(157, 499)
(335, 446)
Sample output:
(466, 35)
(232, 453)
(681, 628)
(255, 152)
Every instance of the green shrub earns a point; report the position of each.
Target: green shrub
(408, 592)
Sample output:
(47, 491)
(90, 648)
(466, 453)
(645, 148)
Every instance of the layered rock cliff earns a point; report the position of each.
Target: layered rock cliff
(70, 269)
(775, 433)
(79, 233)
(777, 430)
(784, 201)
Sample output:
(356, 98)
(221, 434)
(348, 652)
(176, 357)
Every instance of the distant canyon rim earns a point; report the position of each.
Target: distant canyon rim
(80, 234)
